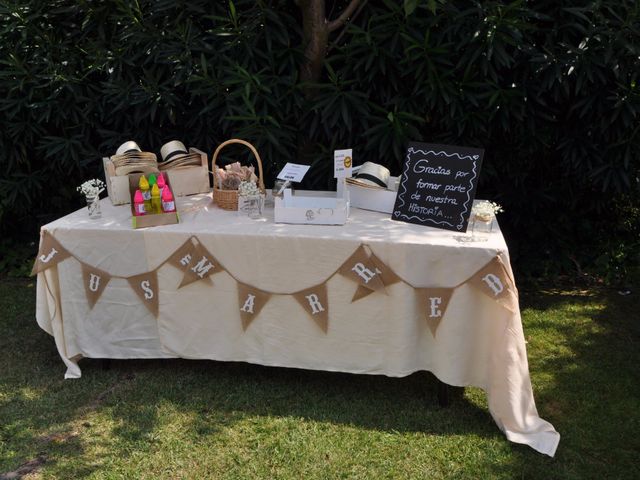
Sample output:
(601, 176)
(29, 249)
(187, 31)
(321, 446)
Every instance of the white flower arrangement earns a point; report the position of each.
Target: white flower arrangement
(248, 188)
(92, 188)
(486, 210)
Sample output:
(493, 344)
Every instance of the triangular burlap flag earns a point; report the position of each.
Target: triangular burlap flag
(314, 301)
(388, 276)
(182, 257)
(493, 281)
(202, 265)
(435, 302)
(250, 301)
(360, 292)
(50, 253)
(146, 287)
(359, 268)
(95, 281)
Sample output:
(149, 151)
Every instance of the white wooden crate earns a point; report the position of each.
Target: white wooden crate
(185, 181)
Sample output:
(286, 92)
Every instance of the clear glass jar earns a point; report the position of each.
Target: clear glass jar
(93, 206)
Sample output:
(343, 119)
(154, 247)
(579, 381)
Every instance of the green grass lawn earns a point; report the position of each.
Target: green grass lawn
(200, 419)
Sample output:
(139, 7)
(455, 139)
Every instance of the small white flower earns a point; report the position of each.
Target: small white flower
(485, 208)
(248, 188)
(91, 188)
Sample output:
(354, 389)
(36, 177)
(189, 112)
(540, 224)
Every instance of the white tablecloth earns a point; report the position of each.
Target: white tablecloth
(478, 343)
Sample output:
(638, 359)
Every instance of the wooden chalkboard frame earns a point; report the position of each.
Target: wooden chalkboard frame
(474, 155)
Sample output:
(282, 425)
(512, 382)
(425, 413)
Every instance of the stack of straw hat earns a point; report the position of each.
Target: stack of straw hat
(129, 158)
(175, 155)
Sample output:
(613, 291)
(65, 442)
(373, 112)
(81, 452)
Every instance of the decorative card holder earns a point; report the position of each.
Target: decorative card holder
(311, 208)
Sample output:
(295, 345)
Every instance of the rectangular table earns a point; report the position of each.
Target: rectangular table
(478, 342)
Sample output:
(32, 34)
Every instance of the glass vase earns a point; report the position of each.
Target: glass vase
(93, 206)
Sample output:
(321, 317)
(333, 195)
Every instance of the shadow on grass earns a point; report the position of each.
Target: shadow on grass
(583, 353)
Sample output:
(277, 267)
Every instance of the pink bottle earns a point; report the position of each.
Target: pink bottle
(161, 182)
(168, 204)
(138, 204)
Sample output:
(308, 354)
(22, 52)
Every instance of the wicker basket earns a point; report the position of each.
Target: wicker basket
(228, 199)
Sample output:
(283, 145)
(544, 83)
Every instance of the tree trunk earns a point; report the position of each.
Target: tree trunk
(316, 38)
(316, 29)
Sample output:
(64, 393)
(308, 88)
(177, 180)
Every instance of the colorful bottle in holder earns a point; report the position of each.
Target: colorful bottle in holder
(156, 206)
(138, 204)
(161, 183)
(168, 204)
(152, 180)
(143, 185)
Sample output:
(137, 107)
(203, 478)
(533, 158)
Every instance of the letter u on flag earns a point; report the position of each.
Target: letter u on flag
(250, 301)
(95, 281)
(146, 287)
(493, 281)
(50, 253)
(315, 302)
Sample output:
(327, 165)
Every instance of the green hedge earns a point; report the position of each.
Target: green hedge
(548, 88)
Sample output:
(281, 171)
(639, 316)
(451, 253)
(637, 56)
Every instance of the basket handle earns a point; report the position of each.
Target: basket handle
(246, 144)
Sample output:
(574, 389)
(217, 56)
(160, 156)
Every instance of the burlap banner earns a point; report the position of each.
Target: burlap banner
(315, 302)
(363, 267)
(95, 281)
(434, 301)
(146, 287)
(251, 300)
(50, 253)
(493, 281)
(359, 268)
(202, 265)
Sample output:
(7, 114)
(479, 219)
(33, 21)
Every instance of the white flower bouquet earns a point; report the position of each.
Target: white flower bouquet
(485, 210)
(92, 188)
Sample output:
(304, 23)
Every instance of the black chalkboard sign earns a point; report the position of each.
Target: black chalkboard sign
(438, 185)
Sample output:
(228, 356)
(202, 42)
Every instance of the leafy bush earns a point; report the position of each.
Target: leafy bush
(549, 89)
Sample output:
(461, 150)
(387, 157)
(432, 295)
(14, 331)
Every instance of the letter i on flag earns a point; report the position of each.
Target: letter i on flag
(314, 301)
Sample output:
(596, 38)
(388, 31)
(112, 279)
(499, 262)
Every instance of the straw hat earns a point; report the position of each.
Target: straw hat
(129, 158)
(371, 175)
(175, 154)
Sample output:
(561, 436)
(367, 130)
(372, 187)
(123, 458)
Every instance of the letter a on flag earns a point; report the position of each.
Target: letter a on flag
(250, 303)
(95, 281)
(315, 302)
